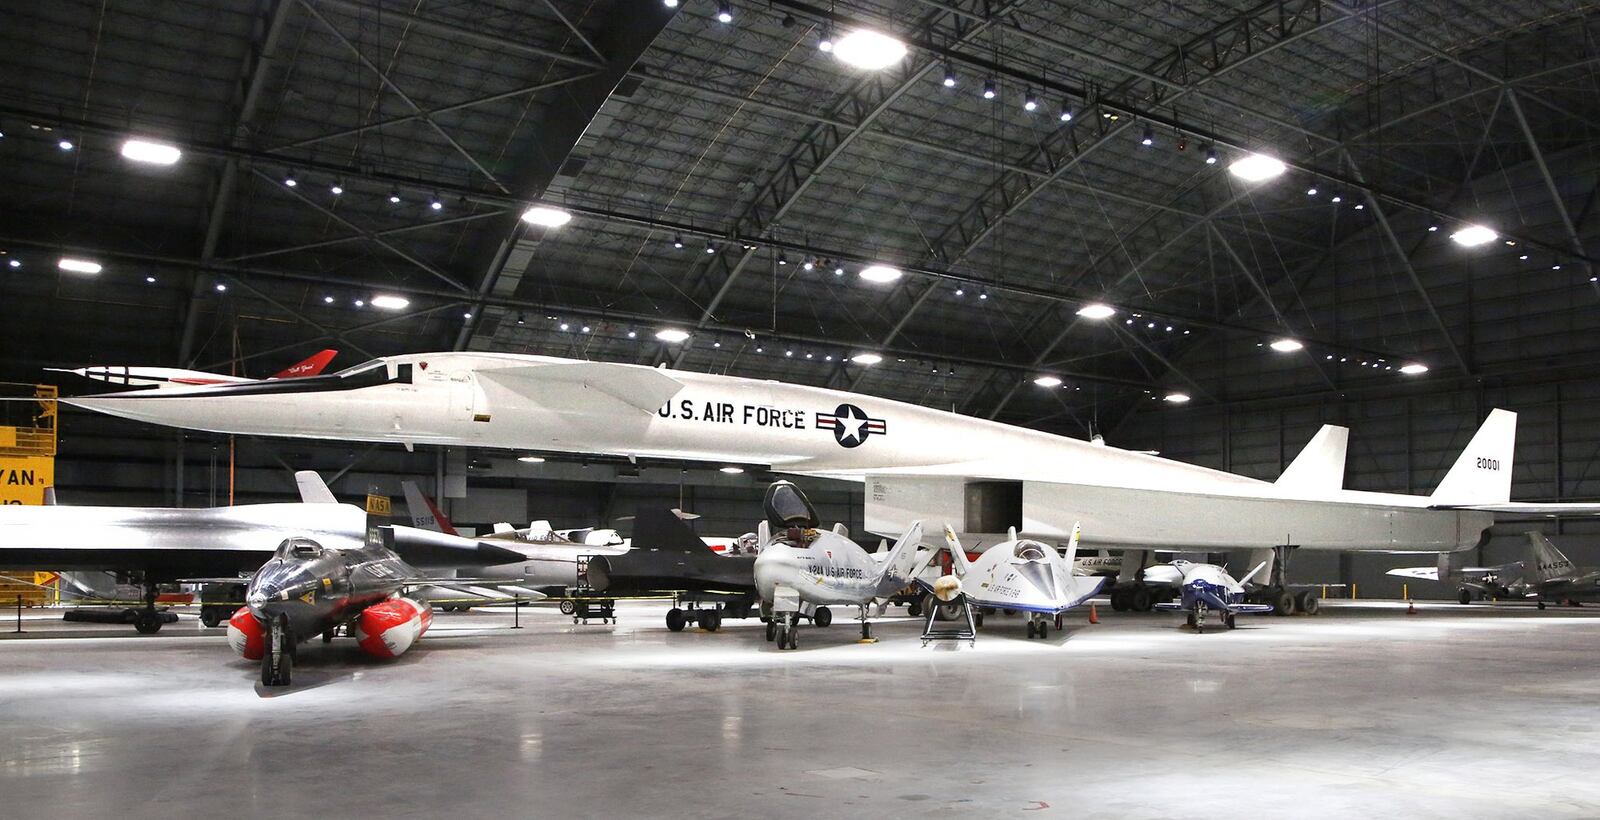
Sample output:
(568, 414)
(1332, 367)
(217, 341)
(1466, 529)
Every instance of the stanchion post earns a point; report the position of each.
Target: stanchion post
(19, 613)
(516, 611)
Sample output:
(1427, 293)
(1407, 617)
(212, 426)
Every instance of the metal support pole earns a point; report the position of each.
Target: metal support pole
(516, 610)
(18, 630)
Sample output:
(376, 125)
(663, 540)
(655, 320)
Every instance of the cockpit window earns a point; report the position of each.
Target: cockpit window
(1030, 550)
(299, 548)
(787, 507)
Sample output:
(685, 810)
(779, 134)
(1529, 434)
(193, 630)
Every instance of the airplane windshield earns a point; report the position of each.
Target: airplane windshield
(370, 364)
(1030, 550)
(299, 548)
(786, 507)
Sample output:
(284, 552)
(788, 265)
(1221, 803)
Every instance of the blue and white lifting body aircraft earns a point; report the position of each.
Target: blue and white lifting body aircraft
(1020, 574)
(802, 569)
(916, 462)
(1204, 588)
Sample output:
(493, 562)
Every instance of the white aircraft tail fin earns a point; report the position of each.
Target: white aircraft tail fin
(502, 527)
(1320, 466)
(902, 556)
(424, 515)
(763, 534)
(1253, 573)
(1482, 475)
(313, 490)
(840, 529)
(540, 530)
(958, 554)
(1011, 533)
(1072, 545)
(1548, 562)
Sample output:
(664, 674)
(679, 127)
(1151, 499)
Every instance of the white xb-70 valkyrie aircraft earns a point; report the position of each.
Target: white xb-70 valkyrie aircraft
(917, 462)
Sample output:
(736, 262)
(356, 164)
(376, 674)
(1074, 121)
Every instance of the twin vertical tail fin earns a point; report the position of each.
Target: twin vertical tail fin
(900, 566)
(1482, 475)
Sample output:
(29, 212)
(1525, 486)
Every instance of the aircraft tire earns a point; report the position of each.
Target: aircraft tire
(568, 606)
(1139, 599)
(1282, 602)
(147, 622)
(822, 617)
(211, 617)
(977, 618)
(914, 609)
(1032, 629)
(676, 620)
(1307, 602)
(711, 620)
(1191, 620)
(1061, 621)
(1044, 630)
(1464, 595)
(1119, 601)
(772, 630)
(1541, 604)
(1228, 620)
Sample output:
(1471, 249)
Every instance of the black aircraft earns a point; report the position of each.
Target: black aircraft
(667, 556)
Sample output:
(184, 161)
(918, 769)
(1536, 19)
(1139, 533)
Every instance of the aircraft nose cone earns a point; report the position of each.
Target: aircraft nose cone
(256, 599)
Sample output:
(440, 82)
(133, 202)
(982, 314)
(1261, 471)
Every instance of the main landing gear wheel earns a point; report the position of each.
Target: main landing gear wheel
(711, 620)
(1541, 604)
(772, 631)
(1307, 602)
(568, 606)
(212, 617)
(277, 662)
(1139, 600)
(1033, 629)
(914, 609)
(1464, 595)
(822, 617)
(1228, 620)
(1119, 601)
(676, 620)
(1282, 603)
(147, 622)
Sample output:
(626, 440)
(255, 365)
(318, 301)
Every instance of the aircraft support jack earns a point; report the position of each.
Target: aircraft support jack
(866, 626)
(965, 628)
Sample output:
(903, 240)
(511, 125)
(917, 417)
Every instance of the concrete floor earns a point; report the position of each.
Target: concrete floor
(1477, 711)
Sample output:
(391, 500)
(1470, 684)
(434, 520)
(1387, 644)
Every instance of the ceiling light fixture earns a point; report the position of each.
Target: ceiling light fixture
(336, 189)
(546, 217)
(540, 459)
(869, 49)
(394, 196)
(388, 302)
(732, 470)
(1097, 311)
(1047, 381)
(1030, 103)
(724, 12)
(988, 89)
(155, 153)
(289, 180)
(1287, 345)
(73, 265)
(1257, 167)
(1413, 369)
(1149, 137)
(677, 241)
(949, 76)
(1337, 199)
(1066, 111)
(672, 335)
(1211, 155)
(1312, 191)
(65, 145)
(710, 248)
(825, 42)
(880, 274)
(1474, 235)
(868, 359)
(435, 203)
(1176, 398)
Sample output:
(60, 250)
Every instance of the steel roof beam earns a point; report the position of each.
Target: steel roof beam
(462, 32)
(1549, 181)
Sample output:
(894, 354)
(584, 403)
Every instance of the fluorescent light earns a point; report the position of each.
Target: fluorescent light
(1097, 311)
(868, 359)
(672, 335)
(1047, 381)
(880, 273)
(545, 216)
(1413, 369)
(1176, 398)
(1474, 235)
(733, 470)
(155, 153)
(388, 302)
(869, 49)
(68, 263)
(1286, 345)
(531, 459)
(1257, 167)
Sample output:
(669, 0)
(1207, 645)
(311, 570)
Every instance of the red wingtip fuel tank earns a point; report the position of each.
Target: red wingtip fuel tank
(388, 629)
(245, 635)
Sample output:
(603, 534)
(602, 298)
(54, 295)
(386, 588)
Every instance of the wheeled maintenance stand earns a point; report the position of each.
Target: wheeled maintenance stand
(963, 628)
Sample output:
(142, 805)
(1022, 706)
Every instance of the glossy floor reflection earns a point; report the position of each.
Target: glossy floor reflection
(1460, 711)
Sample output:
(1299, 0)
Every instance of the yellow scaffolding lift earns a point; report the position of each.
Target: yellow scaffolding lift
(27, 469)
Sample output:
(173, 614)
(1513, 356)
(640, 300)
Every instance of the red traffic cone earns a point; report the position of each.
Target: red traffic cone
(1411, 608)
(1094, 617)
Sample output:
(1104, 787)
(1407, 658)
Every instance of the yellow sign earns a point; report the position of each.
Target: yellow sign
(44, 579)
(378, 505)
(23, 478)
(309, 597)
